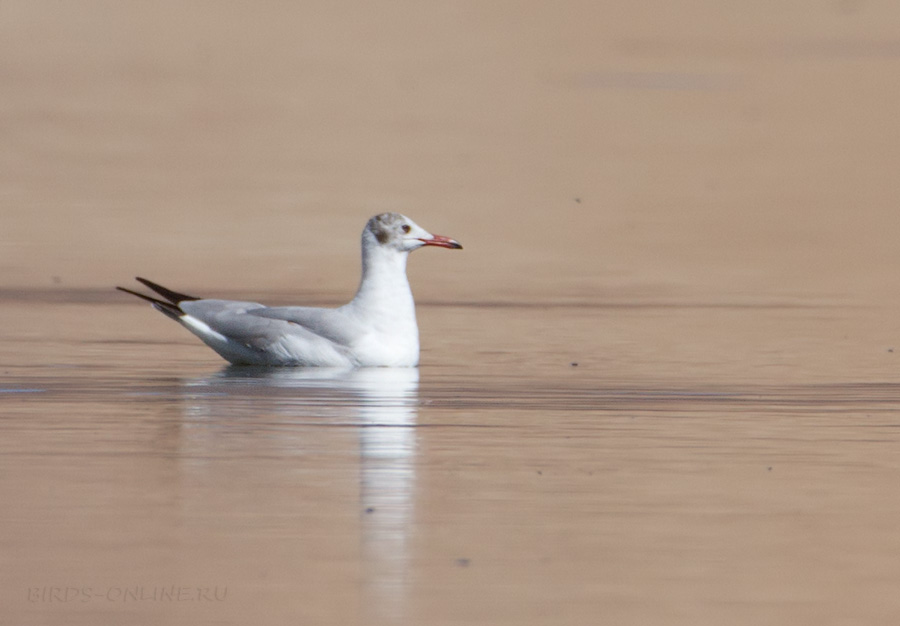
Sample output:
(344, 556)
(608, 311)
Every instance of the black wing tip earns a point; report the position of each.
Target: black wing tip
(173, 297)
(137, 293)
(167, 308)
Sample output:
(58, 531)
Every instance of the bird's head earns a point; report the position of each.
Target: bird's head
(398, 232)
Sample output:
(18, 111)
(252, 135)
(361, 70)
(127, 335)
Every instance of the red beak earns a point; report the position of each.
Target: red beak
(442, 242)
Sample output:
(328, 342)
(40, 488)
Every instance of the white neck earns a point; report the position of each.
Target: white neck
(384, 293)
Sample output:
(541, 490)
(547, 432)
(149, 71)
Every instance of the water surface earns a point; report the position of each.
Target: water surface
(496, 483)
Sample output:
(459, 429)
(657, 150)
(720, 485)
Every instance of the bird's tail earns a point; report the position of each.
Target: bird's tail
(168, 306)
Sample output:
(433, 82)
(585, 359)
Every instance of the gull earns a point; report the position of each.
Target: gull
(377, 328)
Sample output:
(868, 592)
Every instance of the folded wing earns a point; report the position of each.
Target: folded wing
(249, 332)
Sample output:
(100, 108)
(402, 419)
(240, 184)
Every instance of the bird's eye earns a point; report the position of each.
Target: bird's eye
(406, 228)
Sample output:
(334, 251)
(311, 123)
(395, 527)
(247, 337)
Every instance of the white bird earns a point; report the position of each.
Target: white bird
(376, 329)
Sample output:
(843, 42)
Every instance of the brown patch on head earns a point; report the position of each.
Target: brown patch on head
(381, 226)
(381, 234)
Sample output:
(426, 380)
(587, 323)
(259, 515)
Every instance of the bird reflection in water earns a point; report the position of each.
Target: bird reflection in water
(383, 403)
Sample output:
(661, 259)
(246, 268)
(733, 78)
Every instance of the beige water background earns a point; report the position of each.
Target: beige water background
(695, 202)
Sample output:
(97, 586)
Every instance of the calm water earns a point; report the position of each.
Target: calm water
(660, 384)
(144, 481)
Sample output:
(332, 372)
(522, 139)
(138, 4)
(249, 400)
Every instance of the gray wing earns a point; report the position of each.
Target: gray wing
(259, 326)
(333, 324)
(230, 318)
